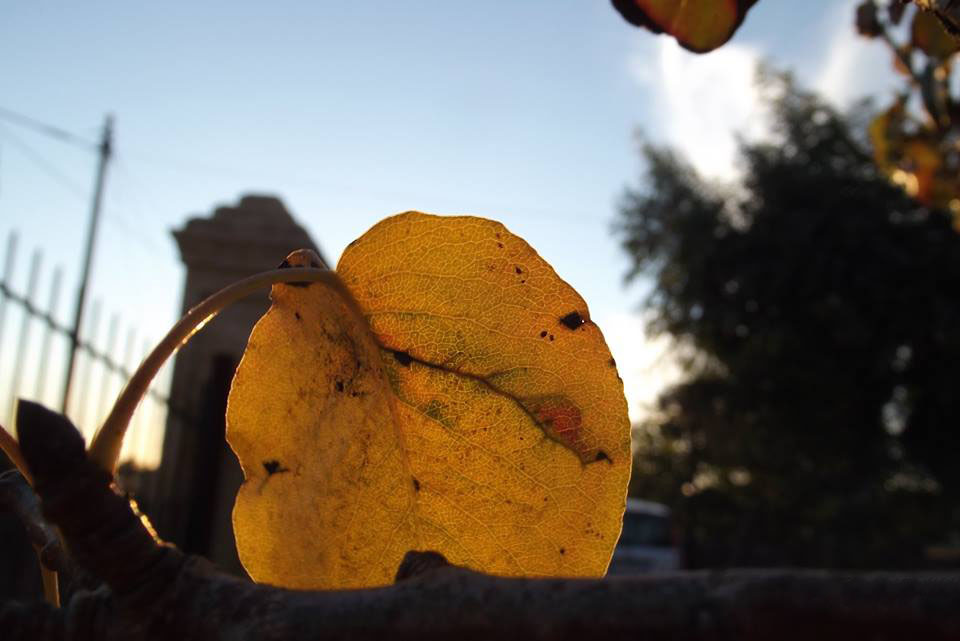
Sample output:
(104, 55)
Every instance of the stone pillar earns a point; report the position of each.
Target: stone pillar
(199, 475)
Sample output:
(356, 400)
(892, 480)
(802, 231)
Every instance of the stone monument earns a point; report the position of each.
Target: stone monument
(193, 493)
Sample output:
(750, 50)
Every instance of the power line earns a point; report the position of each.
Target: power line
(126, 188)
(44, 128)
(130, 231)
(46, 166)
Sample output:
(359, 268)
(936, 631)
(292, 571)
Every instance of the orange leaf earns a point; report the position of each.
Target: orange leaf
(698, 25)
(923, 160)
(455, 397)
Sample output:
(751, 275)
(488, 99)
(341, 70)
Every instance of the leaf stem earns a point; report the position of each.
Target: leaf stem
(11, 448)
(105, 446)
(51, 584)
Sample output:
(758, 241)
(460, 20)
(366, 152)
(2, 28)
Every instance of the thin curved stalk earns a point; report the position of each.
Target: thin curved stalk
(11, 448)
(51, 584)
(105, 446)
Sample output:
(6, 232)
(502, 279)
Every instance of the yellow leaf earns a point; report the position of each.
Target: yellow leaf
(465, 403)
(923, 160)
(878, 131)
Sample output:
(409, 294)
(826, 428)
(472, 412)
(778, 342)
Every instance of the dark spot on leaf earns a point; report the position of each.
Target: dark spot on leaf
(339, 386)
(563, 551)
(612, 362)
(403, 358)
(274, 467)
(497, 234)
(522, 281)
(416, 484)
(297, 316)
(543, 334)
(602, 456)
(573, 320)
(552, 337)
(500, 245)
(518, 270)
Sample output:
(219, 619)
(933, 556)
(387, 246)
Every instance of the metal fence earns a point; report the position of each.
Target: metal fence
(34, 345)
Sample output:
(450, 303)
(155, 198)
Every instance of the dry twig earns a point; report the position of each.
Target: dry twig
(158, 593)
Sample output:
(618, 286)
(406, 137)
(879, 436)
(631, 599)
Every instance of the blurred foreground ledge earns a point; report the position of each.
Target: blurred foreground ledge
(153, 591)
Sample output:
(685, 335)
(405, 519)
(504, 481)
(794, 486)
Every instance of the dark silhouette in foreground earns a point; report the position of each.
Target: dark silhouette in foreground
(152, 591)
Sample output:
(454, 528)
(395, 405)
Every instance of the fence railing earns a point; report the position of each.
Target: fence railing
(34, 344)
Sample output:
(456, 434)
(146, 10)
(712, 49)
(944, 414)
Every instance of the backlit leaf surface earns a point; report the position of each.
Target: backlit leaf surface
(468, 406)
(698, 25)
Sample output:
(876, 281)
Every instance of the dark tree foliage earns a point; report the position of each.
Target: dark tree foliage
(819, 422)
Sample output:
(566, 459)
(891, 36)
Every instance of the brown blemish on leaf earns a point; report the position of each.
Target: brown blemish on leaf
(416, 484)
(273, 467)
(297, 316)
(517, 269)
(403, 358)
(543, 334)
(561, 420)
(603, 456)
(437, 411)
(612, 362)
(339, 386)
(573, 320)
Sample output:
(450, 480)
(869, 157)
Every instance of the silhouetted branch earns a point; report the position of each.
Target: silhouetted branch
(947, 10)
(156, 592)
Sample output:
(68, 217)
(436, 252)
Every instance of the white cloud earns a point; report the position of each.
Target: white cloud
(700, 104)
(853, 66)
(702, 101)
(646, 365)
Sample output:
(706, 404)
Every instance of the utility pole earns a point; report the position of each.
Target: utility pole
(105, 148)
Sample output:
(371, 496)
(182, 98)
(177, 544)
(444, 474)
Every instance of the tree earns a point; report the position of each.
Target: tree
(703, 25)
(816, 303)
(916, 140)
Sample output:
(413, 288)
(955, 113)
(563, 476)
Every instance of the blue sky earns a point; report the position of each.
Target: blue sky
(519, 111)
